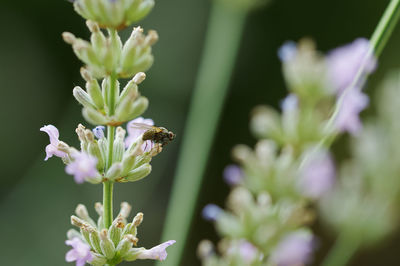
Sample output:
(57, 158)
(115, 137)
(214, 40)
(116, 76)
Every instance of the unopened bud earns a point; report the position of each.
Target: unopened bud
(86, 74)
(114, 171)
(125, 210)
(95, 240)
(151, 38)
(69, 37)
(99, 208)
(126, 243)
(77, 222)
(138, 173)
(107, 246)
(83, 98)
(94, 117)
(139, 77)
(138, 219)
(92, 26)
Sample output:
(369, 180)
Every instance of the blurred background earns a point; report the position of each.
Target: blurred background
(37, 74)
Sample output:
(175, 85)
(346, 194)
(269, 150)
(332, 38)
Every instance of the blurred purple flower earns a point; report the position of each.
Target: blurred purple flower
(233, 174)
(247, 251)
(317, 175)
(99, 132)
(294, 249)
(156, 253)
(345, 62)
(52, 149)
(211, 212)
(287, 51)
(80, 252)
(83, 167)
(134, 133)
(290, 103)
(352, 103)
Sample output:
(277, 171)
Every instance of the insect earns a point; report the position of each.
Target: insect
(159, 135)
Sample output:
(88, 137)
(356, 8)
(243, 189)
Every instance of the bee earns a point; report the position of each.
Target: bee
(155, 134)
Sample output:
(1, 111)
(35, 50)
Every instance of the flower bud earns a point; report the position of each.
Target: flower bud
(129, 229)
(82, 213)
(126, 243)
(98, 260)
(80, 131)
(114, 171)
(98, 40)
(83, 98)
(131, 111)
(94, 117)
(107, 246)
(138, 173)
(115, 231)
(95, 240)
(125, 210)
(94, 91)
(138, 219)
(139, 78)
(128, 94)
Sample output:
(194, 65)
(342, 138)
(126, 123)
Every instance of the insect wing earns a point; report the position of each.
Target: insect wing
(141, 126)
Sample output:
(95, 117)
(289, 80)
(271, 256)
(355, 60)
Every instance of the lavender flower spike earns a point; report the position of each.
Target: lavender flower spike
(156, 253)
(345, 62)
(80, 252)
(295, 249)
(134, 133)
(52, 148)
(353, 102)
(83, 167)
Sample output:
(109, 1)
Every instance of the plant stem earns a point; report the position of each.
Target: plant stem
(108, 185)
(108, 203)
(346, 245)
(221, 45)
(385, 27)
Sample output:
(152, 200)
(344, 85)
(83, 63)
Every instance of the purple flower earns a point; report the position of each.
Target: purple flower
(52, 149)
(233, 174)
(290, 103)
(134, 133)
(99, 132)
(247, 251)
(211, 212)
(294, 249)
(156, 253)
(345, 62)
(80, 252)
(287, 51)
(83, 167)
(317, 175)
(352, 103)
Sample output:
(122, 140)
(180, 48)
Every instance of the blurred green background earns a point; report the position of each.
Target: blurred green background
(38, 71)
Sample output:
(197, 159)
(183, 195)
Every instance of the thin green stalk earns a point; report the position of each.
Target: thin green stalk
(344, 248)
(348, 243)
(221, 45)
(108, 203)
(108, 185)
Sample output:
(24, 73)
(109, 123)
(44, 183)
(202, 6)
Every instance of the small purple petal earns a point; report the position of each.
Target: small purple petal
(353, 102)
(83, 167)
(156, 253)
(345, 62)
(134, 133)
(247, 251)
(211, 212)
(318, 175)
(80, 252)
(99, 132)
(233, 174)
(287, 51)
(52, 149)
(295, 249)
(290, 103)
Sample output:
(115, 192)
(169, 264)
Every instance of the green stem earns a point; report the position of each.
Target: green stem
(221, 45)
(346, 245)
(108, 203)
(108, 185)
(385, 27)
